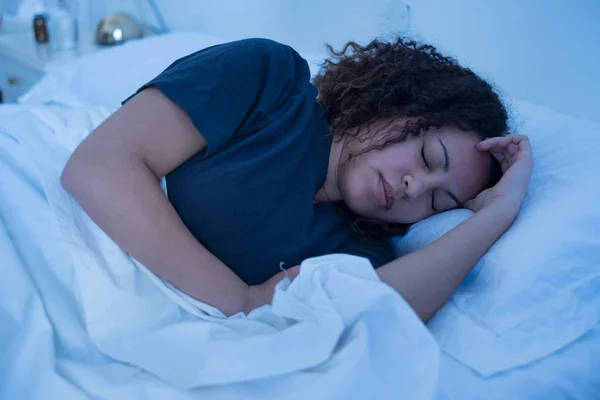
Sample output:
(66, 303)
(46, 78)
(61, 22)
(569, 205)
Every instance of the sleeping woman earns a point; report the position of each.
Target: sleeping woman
(266, 168)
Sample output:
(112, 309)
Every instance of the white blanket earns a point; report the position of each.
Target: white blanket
(80, 319)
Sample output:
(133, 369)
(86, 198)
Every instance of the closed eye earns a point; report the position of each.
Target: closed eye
(423, 156)
(428, 167)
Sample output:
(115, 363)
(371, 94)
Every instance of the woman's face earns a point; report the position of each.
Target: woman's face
(408, 181)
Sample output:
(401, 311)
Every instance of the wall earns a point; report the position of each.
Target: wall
(544, 51)
(305, 24)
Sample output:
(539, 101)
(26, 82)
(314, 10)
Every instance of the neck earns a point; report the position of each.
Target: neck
(330, 191)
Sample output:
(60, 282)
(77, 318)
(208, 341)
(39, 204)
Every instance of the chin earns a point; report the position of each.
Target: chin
(358, 196)
(355, 208)
(356, 204)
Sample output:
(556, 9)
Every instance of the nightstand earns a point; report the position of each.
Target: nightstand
(23, 62)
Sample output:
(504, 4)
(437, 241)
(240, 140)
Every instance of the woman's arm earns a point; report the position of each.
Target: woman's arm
(429, 276)
(114, 175)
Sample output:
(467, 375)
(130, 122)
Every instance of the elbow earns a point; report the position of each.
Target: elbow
(69, 176)
(425, 317)
(78, 173)
(66, 177)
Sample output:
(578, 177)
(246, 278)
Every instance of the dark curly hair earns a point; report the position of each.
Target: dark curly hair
(403, 80)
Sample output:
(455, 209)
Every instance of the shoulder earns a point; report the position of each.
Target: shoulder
(259, 51)
(262, 46)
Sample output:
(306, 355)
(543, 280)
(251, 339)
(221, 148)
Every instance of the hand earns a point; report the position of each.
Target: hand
(259, 295)
(514, 154)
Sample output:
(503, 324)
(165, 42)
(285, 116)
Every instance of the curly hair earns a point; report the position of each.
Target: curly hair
(403, 80)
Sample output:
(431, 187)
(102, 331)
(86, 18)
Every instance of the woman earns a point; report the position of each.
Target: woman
(264, 171)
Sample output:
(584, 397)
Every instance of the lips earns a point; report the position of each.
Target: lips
(388, 193)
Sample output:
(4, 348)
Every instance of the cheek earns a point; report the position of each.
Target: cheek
(397, 157)
(353, 184)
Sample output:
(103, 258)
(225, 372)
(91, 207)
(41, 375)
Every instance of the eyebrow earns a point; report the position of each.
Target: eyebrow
(445, 168)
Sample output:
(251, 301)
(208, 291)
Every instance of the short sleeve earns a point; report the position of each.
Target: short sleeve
(226, 88)
(378, 252)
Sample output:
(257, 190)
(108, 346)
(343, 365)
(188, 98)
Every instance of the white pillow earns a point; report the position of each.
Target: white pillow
(538, 288)
(108, 77)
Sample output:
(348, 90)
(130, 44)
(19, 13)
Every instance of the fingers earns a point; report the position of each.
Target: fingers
(507, 149)
(493, 143)
(504, 142)
(498, 156)
(512, 149)
(524, 144)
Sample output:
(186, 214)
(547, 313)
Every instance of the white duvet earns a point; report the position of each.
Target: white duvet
(80, 319)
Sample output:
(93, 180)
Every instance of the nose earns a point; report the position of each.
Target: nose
(413, 186)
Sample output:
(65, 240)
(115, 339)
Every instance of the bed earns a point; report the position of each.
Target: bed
(80, 319)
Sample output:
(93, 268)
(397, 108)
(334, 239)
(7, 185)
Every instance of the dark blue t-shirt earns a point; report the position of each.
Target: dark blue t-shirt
(248, 197)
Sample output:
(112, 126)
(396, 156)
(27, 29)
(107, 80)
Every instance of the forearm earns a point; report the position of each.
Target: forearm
(429, 276)
(124, 198)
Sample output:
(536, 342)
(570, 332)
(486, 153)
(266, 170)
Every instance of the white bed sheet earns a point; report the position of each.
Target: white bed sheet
(45, 334)
(80, 319)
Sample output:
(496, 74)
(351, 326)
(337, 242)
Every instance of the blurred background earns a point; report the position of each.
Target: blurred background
(544, 51)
